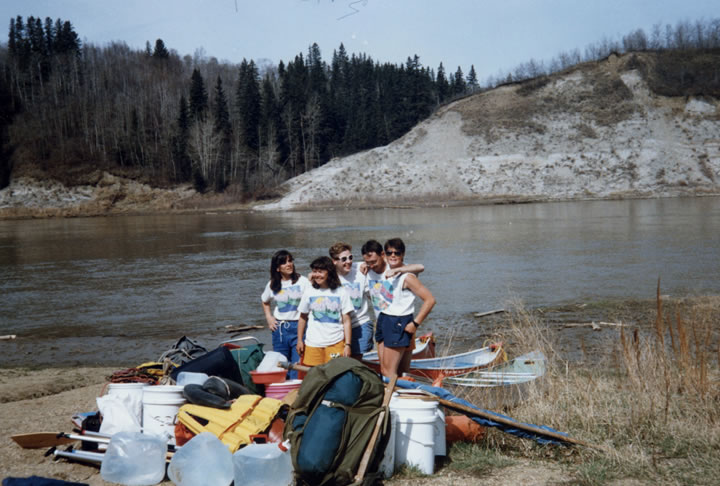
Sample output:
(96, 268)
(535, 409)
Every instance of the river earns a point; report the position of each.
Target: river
(121, 290)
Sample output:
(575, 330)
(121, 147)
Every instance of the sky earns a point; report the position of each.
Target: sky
(493, 36)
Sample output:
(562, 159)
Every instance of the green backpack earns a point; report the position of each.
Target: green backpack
(331, 421)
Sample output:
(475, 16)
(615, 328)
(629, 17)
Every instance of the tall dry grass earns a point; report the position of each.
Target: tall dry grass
(652, 405)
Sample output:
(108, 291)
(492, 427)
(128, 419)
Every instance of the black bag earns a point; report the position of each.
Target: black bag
(218, 362)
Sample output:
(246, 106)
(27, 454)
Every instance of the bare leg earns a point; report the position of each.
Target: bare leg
(404, 366)
(390, 361)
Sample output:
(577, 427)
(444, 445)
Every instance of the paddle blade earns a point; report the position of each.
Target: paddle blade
(40, 440)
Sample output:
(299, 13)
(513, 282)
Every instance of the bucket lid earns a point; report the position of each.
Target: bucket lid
(285, 384)
(120, 386)
(413, 404)
(164, 389)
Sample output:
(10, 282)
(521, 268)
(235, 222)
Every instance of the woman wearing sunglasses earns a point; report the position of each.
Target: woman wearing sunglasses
(353, 279)
(397, 322)
(353, 276)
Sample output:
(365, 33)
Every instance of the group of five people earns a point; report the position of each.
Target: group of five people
(328, 314)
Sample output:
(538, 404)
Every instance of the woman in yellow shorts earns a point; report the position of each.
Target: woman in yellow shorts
(325, 314)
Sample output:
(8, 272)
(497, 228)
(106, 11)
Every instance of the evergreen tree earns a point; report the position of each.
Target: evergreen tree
(223, 135)
(67, 39)
(458, 84)
(160, 51)
(221, 115)
(198, 96)
(441, 84)
(247, 103)
(181, 156)
(472, 81)
(6, 115)
(49, 36)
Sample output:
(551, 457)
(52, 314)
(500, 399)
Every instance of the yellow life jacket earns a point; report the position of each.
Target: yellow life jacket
(248, 415)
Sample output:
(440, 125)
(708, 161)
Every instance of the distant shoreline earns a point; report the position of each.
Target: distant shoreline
(89, 211)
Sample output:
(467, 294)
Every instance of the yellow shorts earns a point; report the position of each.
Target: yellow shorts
(317, 356)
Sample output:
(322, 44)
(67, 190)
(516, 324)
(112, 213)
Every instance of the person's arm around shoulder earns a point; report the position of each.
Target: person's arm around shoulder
(413, 268)
(413, 284)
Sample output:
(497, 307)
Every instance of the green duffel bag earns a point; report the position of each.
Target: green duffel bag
(248, 358)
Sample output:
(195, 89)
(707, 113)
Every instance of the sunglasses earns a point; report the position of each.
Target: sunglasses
(346, 258)
(393, 253)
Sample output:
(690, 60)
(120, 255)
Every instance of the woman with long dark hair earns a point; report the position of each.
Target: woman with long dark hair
(325, 312)
(285, 288)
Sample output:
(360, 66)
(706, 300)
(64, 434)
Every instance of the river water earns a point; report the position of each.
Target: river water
(121, 290)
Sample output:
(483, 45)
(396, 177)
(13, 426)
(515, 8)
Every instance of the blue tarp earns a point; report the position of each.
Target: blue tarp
(518, 432)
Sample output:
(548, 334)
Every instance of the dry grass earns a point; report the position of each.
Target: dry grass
(652, 406)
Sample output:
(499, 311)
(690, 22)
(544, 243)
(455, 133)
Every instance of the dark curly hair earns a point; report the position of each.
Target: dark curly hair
(325, 263)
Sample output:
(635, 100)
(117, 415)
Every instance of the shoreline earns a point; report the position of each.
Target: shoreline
(32, 213)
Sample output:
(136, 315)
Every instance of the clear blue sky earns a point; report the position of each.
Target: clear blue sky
(494, 36)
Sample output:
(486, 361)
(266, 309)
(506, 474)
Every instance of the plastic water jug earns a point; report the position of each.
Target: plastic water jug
(201, 461)
(134, 459)
(262, 465)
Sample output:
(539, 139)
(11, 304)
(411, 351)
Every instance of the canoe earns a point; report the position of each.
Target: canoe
(453, 365)
(424, 348)
(522, 369)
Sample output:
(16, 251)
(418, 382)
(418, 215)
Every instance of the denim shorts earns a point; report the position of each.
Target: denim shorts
(390, 330)
(362, 338)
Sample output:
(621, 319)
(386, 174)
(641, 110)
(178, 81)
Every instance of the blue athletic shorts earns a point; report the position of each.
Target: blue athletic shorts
(390, 330)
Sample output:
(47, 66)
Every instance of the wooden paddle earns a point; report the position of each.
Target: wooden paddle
(41, 440)
(464, 409)
(362, 468)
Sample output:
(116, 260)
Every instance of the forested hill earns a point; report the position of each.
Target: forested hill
(176, 119)
(89, 116)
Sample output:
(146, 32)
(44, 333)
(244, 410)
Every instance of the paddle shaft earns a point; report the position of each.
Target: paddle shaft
(529, 428)
(362, 468)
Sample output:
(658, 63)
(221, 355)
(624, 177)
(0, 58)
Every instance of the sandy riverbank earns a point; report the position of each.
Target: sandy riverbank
(44, 400)
(23, 412)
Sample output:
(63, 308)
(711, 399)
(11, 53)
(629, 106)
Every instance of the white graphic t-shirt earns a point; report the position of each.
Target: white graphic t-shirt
(355, 284)
(388, 295)
(324, 308)
(288, 299)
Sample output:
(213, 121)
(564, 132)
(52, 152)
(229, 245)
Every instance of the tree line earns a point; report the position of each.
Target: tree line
(68, 108)
(195, 119)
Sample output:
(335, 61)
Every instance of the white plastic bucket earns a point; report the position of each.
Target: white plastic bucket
(387, 465)
(415, 433)
(160, 407)
(131, 394)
